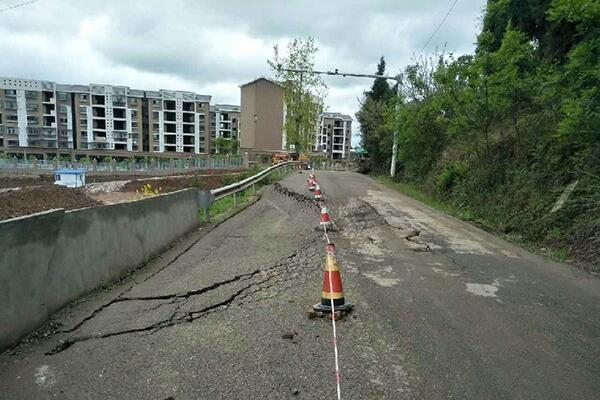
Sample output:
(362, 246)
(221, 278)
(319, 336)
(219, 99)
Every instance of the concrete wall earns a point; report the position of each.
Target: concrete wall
(50, 259)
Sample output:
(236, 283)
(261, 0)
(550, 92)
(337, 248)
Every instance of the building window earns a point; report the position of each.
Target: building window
(83, 97)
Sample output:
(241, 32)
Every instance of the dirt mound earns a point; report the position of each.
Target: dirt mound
(17, 203)
(171, 184)
(7, 181)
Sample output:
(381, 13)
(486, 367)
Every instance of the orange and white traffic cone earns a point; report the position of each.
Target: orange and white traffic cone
(317, 192)
(324, 216)
(311, 184)
(332, 296)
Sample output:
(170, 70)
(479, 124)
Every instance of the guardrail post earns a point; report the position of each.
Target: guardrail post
(234, 199)
(254, 189)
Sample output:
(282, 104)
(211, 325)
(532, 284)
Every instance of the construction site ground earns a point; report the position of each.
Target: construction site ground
(24, 194)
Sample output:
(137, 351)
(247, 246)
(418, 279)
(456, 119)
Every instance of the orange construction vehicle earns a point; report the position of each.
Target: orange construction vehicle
(280, 157)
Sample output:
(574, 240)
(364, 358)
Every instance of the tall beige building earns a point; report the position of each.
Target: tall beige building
(334, 135)
(262, 117)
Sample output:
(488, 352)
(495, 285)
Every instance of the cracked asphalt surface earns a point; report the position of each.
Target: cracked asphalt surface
(442, 310)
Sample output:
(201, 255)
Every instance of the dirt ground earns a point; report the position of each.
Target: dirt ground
(10, 180)
(16, 203)
(171, 184)
(27, 194)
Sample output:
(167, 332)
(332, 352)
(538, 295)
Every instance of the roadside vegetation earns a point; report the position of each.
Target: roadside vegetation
(498, 136)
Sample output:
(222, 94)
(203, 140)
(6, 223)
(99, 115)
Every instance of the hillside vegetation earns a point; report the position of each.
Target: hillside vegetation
(500, 134)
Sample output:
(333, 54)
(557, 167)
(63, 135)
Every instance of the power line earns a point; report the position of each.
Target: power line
(18, 5)
(439, 26)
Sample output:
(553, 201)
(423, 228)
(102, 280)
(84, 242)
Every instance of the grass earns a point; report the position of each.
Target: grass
(414, 192)
(225, 204)
(556, 253)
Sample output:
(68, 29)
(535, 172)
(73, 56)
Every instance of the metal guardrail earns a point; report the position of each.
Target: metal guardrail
(225, 191)
(205, 197)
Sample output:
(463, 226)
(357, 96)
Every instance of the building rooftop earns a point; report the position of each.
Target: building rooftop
(225, 108)
(264, 78)
(337, 115)
(70, 171)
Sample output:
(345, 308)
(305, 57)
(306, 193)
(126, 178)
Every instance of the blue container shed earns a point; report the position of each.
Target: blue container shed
(70, 177)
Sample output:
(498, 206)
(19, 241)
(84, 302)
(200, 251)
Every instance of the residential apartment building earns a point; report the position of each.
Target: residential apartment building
(262, 117)
(34, 113)
(106, 117)
(224, 123)
(102, 117)
(177, 121)
(334, 135)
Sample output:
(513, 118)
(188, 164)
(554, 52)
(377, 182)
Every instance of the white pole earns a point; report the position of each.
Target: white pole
(396, 133)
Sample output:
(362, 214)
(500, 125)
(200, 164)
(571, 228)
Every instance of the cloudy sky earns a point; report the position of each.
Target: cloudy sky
(211, 47)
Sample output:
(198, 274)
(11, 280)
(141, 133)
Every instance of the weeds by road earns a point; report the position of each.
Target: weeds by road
(557, 252)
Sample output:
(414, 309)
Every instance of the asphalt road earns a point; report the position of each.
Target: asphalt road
(442, 310)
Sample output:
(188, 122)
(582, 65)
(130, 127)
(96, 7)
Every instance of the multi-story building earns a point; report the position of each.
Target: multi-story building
(224, 123)
(32, 115)
(334, 135)
(177, 121)
(106, 117)
(262, 117)
(103, 117)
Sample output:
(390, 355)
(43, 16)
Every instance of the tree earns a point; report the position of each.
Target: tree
(381, 89)
(227, 146)
(376, 133)
(303, 92)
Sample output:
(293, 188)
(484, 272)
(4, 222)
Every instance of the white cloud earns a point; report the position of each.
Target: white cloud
(211, 47)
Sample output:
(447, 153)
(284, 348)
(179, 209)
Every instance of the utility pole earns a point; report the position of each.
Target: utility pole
(397, 78)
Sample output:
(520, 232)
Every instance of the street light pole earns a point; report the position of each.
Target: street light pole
(396, 133)
(397, 78)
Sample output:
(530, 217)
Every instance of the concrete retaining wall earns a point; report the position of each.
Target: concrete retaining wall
(50, 259)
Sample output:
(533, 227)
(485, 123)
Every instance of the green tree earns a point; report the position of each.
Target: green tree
(375, 128)
(227, 146)
(304, 93)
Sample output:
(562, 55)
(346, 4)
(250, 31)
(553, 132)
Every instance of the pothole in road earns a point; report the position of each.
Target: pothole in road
(360, 221)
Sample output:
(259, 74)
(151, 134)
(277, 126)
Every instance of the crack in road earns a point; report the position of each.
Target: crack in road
(299, 197)
(184, 295)
(176, 317)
